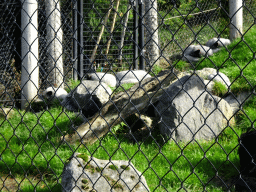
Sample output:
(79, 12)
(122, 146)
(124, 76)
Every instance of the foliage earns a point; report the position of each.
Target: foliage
(219, 89)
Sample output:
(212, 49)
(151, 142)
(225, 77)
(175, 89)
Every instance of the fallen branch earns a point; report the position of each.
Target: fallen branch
(122, 105)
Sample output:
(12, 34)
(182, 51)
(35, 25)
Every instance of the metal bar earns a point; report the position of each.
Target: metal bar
(75, 67)
(141, 36)
(135, 35)
(80, 38)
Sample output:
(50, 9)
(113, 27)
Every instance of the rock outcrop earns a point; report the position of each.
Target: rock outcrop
(84, 173)
(188, 112)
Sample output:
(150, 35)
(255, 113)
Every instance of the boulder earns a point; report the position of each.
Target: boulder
(131, 76)
(84, 173)
(52, 92)
(188, 112)
(212, 75)
(109, 79)
(89, 97)
(193, 53)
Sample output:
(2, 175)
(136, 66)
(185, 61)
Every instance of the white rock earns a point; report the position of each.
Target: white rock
(101, 175)
(212, 75)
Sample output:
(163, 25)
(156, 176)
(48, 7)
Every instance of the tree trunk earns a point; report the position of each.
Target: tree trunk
(151, 32)
(54, 43)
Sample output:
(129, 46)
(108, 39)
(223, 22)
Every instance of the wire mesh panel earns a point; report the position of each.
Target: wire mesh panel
(108, 32)
(186, 123)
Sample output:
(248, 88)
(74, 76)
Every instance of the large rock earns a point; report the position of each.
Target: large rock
(212, 75)
(131, 76)
(89, 97)
(109, 79)
(188, 112)
(83, 173)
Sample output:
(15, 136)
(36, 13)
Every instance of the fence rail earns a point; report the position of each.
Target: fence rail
(128, 96)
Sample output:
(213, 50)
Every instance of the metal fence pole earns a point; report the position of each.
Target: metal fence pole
(75, 68)
(141, 35)
(236, 18)
(135, 35)
(80, 38)
(29, 52)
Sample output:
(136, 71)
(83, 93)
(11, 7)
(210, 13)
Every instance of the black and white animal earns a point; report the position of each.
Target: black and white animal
(52, 92)
(216, 43)
(193, 53)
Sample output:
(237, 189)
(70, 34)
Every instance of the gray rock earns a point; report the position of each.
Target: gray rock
(109, 79)
(236, 102)
(212, 75)
(193, 53)
(89, 97)
(101, 175)
(52, 92)
(188, 112)
(131, 76)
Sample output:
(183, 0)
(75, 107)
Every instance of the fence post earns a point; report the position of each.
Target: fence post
(141, 35)
(29, 51)
(54, 43)
(236, 18)
(75, 67)
(135, 34)
(151, 24)
(80, 38)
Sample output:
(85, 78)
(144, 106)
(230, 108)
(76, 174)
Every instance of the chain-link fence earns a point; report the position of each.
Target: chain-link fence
(77, 115)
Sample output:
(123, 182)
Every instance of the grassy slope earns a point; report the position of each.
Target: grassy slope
(30, 143)
(237, 62)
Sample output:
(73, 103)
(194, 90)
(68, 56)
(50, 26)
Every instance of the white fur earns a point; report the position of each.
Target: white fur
(52, 92)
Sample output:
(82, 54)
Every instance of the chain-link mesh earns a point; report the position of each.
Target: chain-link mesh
(183, 123)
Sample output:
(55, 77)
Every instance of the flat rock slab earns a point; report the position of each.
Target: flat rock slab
(84, 173)
(188, 112)
(131, 76)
